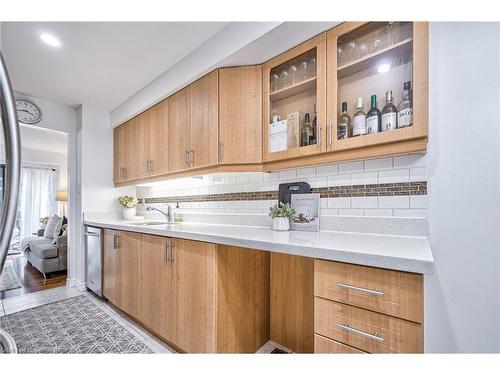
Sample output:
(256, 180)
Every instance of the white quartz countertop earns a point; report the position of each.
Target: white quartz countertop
(403, 253)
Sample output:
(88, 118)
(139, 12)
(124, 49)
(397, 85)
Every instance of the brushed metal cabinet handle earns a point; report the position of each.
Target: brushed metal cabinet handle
(172, 245)
(191, 153)
(360, 289)
(330, 136)
(374, 336)
(167, 249)
(186, 164)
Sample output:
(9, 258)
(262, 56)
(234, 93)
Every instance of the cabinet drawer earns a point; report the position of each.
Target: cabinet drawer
(323, 345)
(390, 292)
(366, 330)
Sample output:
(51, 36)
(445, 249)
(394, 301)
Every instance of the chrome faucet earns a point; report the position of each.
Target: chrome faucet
(167, 214)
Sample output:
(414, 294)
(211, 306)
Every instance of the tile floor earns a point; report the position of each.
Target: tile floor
(28, 301)
(17, 304)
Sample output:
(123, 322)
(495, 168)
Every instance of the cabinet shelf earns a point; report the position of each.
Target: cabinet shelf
(286, 92)
(402, 48)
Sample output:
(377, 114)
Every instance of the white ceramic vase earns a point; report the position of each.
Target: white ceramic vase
(129, 213)
(281, 223)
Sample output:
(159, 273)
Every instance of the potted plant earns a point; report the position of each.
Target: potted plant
(281, 214)
(129, 204)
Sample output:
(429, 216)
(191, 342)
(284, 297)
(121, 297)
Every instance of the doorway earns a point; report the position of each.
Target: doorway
(37, 258)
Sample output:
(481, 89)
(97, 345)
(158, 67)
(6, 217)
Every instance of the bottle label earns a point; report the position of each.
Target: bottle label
(372, 125)
(405, 117)
(342, 130)
(389, 121)
(359, 125)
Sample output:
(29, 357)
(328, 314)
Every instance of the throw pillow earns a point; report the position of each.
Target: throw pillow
(57, 228)
(54, 221)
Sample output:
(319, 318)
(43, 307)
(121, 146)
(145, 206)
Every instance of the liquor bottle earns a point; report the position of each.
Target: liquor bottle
(405, 110)
(344, 129)
(359, 120)
(314, 138)
(373, 117)
(389, 113)
(307, 131)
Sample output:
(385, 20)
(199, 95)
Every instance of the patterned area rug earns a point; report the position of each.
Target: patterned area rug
(73, 325)
(8, 278)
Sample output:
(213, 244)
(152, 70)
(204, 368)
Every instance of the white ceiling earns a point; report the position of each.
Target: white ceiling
(99, 63)
(42, 139)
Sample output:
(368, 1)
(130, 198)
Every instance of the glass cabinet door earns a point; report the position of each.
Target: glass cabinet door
(377, 83)
(294, 110)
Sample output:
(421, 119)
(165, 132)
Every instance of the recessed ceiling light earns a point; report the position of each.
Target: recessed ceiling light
(50, 39)
(383, 68)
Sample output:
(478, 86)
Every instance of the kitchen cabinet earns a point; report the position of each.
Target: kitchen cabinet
(155, 282)
(193, 304)
(204, 124)
(292, 309)
(126, 165)
(295, 82)
(240, 111)
(179, 125)
(109, 265)
(368, 309)
(199, 297)
(212, 125)
(399, 47)
(152, 138)
(128, 257)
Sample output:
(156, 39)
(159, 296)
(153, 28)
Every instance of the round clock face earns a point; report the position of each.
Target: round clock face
(28, 112)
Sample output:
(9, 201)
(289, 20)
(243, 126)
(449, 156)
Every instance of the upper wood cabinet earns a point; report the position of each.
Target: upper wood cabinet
(240, 109)
(294, 85)
(204, 113)
(179, 130)
(214, 124)
(372, 58)
(126, 164)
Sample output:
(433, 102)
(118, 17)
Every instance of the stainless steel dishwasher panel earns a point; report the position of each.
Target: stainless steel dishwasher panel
(94, 256)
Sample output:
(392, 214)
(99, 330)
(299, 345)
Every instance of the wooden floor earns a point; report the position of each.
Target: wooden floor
(31, 279)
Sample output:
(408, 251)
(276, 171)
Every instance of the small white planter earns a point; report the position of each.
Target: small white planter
(129, 213)
(281, 223)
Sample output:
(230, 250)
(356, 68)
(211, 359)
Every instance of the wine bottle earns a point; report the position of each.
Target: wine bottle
(307, 131)
(344, 125)
(389, 113)
(373, 117)
(359, 120)
(405, 110)
(314, 138)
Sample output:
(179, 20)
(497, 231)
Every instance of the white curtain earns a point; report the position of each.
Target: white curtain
(37, 197)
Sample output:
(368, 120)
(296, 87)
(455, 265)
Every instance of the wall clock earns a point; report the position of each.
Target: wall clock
(28, 112)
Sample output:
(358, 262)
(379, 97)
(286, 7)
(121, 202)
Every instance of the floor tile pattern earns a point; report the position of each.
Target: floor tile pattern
(74, 325)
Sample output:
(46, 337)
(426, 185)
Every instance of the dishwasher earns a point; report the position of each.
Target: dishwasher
(94, 256)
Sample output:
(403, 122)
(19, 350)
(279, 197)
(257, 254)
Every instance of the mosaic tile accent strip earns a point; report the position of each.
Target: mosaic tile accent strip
(74, 325)
(373, 190)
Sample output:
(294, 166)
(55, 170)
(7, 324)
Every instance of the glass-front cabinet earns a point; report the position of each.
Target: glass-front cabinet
(294, 108)
(377, 84)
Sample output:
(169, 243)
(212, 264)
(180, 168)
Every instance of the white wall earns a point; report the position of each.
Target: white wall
(95, 174)
(462, 308)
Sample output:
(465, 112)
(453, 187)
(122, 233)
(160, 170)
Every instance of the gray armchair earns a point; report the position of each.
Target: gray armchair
(45, 254)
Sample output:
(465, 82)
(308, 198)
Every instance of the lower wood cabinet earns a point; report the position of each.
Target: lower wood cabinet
(207, 298)
(127, 280)
(367, 309)
(197, 296)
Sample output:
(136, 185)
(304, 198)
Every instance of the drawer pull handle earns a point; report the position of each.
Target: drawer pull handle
(375, 336)
(375, 292)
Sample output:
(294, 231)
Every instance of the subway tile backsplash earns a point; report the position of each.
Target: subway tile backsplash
(382, 187)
